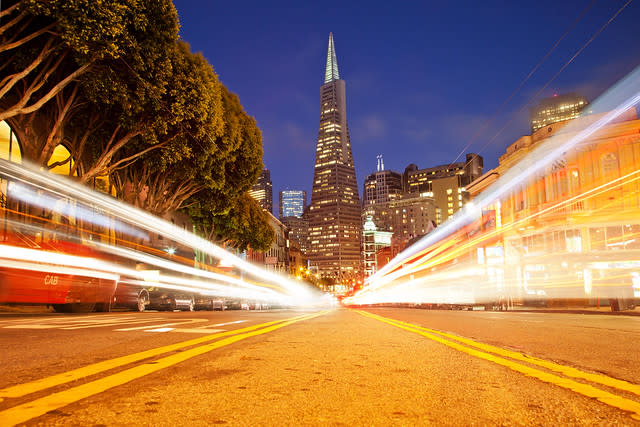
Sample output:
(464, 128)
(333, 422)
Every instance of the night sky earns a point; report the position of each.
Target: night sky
(422, 77)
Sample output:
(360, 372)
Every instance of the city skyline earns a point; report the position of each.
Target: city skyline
(444, 73)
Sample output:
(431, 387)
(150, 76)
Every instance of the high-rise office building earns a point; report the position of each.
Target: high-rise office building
(381, 186)
(446, 184)
(298, 231)
(334, 213)
(262, 191)
(292, 203)
(556, 109)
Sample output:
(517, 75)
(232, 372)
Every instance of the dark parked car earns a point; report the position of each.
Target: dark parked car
(131, 296)
(168, 301)
(208, 303)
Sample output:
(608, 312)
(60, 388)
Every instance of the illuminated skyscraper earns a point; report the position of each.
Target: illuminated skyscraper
(292, 203)
(262, 191)
(381, 186)
(446, 184)
(334, 213)
(556, 109)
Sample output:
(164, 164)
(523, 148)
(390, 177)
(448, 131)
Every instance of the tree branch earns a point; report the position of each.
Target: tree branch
(26, 39)
(53, 139)
(10, 81)
(43, 100)
(131, 159)
(60, 163)
(9, 10)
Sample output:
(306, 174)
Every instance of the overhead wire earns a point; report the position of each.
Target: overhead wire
(566, 64)
(573, 57)
(533, 70)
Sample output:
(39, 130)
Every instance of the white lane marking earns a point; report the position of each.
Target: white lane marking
(137, 328)
(57, 320)
(52, 319)
(103, 324)
(28, 327)
(74, 324)
(204, 329)
(184, 321)
(229, 323)
(89, 322)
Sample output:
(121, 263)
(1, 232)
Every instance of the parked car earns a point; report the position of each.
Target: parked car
(168, 301)
(236, 304)
(131, 296)
(208, 303)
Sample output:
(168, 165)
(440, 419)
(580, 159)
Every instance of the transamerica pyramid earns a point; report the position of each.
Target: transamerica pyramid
(334, 212)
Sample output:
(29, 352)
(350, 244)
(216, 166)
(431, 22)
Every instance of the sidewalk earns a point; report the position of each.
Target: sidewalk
(578, 310)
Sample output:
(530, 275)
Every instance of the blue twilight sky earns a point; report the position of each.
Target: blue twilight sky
(422, 77)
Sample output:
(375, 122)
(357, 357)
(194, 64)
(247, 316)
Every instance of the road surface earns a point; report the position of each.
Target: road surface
(338, 367)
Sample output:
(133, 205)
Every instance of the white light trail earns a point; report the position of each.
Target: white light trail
(64, 206)
(138, 219)
(394, 282)
(612, 104)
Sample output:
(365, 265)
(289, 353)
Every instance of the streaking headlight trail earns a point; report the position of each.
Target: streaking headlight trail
(63, 210)
(560, 223)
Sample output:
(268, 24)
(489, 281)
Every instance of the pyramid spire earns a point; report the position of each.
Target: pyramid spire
(331, 72)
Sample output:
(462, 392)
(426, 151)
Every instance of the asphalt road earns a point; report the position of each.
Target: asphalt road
(341, 367)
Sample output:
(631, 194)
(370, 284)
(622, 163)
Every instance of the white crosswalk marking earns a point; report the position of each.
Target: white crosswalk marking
(88, 322)
(60, 319)
(229, 323)
(187, 330)
(146, 324)
(184, 321)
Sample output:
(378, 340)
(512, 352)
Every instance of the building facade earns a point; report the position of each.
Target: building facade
(381, 186)
(276, 258)
(556, 109)
(334, 212)
(576, 236)
(446, 184)
(292, 203)
(262, 191)
(372, 241)
(298, 231)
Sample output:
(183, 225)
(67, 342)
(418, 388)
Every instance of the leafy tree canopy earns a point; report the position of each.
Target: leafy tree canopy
(90, 56)
(235, 172)
(48, 44)
(245, 225)
(190, 124)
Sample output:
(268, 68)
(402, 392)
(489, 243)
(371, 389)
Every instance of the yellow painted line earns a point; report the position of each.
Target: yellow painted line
(38, 407)
(20, 390)
(564, 370)
(584, 389)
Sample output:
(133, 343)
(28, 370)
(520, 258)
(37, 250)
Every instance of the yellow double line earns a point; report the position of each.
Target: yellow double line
(41, 406)
(499, 355)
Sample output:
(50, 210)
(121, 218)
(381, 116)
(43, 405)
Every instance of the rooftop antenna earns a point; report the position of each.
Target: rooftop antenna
(380, 163)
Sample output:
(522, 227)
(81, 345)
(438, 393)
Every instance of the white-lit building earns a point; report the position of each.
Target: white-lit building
(373, 240)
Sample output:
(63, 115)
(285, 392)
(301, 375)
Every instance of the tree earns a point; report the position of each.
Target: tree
(89, 57)
(236, 171)
(245, 225)
(191, 124)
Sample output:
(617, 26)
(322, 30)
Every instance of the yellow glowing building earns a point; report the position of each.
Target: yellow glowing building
(571, 233)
